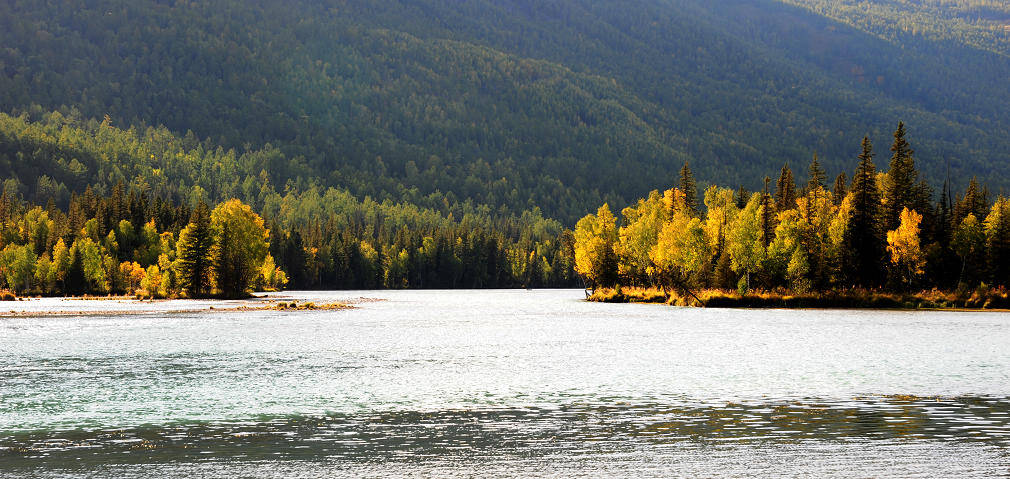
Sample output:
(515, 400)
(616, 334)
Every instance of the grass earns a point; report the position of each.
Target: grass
(979, 299)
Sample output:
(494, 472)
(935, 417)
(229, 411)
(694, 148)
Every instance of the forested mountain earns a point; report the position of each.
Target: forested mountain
(511, 104)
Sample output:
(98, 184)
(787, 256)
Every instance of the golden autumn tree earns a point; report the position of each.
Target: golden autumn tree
(595, 237)
(903, 244)
(682, 248)
(240, 249)
(637, 239)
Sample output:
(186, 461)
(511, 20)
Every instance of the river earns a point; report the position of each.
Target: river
(500, 383)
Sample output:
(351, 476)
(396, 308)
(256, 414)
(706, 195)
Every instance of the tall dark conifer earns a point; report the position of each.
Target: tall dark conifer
(195, 244)
(817, 175)
(864, 238)
(767, 215)
(903, 187)
(742, 197)
(840, 189)
(973, 202)
(690, 189)
(785, 190)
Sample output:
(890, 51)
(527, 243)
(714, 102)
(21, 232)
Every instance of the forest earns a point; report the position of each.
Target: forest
(509, 104)
(136, 232)
(878, 231)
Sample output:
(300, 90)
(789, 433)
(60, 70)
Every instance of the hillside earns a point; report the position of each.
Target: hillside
(512, 104)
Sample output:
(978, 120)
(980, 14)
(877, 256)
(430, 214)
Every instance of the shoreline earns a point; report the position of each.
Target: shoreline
(989, 302)
(207, 307)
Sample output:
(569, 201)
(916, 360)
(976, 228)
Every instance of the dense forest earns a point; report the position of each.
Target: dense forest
(133, 231)
(879, 230)
(509, 104)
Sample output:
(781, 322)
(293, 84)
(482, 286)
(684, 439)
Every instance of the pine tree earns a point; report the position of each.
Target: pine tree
(817, 175)
(767, 215)
(972, 203)
(194, 252)
(903, 189)
(742, 197)
(864, 235)
(839, 191)
(785, 190)
(690, 189)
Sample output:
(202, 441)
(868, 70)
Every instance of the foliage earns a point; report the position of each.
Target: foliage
(816, 245)
(240, 246)
(595, 238)
(504, 104)
(903, 244)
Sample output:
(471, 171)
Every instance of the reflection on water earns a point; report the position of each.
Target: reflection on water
(567, 429)
(506, 384)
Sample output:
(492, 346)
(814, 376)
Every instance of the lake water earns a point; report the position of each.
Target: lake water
(500, 384)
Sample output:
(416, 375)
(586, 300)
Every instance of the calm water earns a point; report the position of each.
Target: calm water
(501, 383)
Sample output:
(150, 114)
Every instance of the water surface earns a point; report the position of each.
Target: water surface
(504, 383)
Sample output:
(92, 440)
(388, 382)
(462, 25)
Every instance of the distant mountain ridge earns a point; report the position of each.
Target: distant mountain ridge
(518, 104)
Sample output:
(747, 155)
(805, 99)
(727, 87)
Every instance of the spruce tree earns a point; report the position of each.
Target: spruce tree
(742, 197)
(972, 203)
(817, 175)
(864, 235)
(839, 191)
(194, 252)
(903, 189)
(767, 215)
(785, 190)
(690, 189)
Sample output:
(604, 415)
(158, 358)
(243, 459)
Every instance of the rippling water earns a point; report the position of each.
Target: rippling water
(502, 383)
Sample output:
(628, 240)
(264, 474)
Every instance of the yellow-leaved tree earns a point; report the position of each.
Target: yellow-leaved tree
(595, 237)
(638, 238)
(240, 249)
(903, 244)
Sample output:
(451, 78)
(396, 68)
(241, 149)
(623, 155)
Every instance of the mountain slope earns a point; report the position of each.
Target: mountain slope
(509, 103)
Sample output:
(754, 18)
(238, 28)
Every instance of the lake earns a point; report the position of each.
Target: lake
(499, 383)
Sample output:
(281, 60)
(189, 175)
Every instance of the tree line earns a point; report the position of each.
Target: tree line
(127, 243)
(877, 230)
(95, 248)
(505, 103)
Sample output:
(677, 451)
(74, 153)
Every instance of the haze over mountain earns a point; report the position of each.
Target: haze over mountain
(514, 104)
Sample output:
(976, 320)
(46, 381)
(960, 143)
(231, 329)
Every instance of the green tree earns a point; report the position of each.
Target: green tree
(193, 251)
(746, 244)
(839, 190)
(817, 176)
(242, 244)
(903, 189)
(689, 188)
(17, 267)
(865, 239)
(785, 190)
(968, 243)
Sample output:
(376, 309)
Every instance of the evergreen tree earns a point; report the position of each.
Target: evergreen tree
(194, 252)
(690, 189)
(742, 197)
(767, 215)
(785, 190)
(903, 187)
(972, 203)
(864, 234)
(839, 191)
(817, 175)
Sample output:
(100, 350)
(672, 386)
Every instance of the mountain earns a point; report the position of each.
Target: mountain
(512, 104)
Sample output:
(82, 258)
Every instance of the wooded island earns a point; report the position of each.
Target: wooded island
(869, 242)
